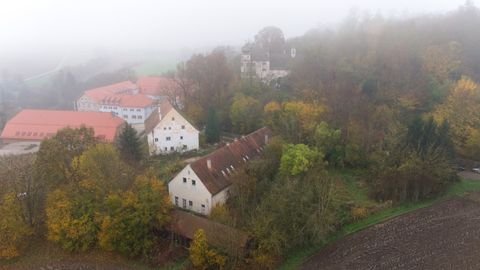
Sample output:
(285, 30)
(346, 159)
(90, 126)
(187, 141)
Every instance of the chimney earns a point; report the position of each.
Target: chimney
(266, 138)
(209, 164)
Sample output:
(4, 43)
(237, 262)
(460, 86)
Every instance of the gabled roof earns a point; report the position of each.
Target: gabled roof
(120, 94)
(100, 93)
(155, 117)
(224, 161)
(157, 86)
(41, 124)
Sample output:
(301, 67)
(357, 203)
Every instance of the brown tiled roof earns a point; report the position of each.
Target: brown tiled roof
(235, 155)
(156, 116)
(218, 235)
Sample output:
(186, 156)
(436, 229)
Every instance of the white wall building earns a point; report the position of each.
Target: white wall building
(205, 183)
(122, 99)
(168, 131)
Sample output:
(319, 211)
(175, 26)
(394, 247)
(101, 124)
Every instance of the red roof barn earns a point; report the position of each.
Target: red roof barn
(36, 125)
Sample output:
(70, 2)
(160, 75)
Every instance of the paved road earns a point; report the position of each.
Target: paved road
(469, 175)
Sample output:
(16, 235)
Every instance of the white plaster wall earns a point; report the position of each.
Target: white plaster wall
(84, 103)
(197, 193)
(221, 197)
(171, 126)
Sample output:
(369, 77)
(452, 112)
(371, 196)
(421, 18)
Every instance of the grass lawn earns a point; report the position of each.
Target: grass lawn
(295, 259)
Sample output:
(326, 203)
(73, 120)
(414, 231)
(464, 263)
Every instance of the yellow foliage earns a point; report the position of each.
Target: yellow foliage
(359, 213)
(461, 110)
(271, 107)
(201, 256)
(13, 229)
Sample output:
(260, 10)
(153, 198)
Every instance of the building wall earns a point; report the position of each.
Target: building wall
(197, 194)
(84, 103)
(221, 197)
(132, 115)
(173, 134)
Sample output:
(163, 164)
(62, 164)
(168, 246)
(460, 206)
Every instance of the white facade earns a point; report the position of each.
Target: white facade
(188, 192)
(85, 104)
(131, 115)
(172, 134)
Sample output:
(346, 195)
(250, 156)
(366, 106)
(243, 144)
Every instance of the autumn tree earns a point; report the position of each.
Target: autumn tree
(73, 210)
(244, 114)
(417, 165)
(14, 228)
(18, 176)
(460, 110)
(132, 218)
(202, 256)
(54, 158)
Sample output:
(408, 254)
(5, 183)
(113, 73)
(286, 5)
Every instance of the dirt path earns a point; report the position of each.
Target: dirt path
(443, 236)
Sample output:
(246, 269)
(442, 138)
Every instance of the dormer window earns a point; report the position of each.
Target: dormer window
(231, 166)
(224, 174)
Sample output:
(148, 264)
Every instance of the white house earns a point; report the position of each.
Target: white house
(259, 62)
(168, 131)
(205, 183)
(122, 99)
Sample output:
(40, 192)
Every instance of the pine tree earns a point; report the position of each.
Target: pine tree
(129, 145)
(212, 129)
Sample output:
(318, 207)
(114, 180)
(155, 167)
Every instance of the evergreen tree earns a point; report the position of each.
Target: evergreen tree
(129, 145)
(212, 129)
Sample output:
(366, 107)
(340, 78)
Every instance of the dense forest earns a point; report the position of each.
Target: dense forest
(395, 99)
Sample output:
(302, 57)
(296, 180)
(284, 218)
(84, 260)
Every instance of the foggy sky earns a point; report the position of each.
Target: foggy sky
(162, 24)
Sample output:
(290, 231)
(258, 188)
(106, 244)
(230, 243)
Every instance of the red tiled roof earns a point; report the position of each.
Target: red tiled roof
(235, 154)
(119, 94)
(128, 100)
(110, 90)
(158, 86)
(37, 125)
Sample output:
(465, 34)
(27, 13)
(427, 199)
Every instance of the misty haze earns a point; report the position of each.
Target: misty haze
(239, 134)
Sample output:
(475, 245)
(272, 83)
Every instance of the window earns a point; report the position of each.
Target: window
(169, 128)
(203, 205)
(184, 203)
(166, 148)
(124, 109)
(125, 116)
(131, 110)
(156, 139)
(171, 148)
(183, 126)
(164, 128)
(168, 138)
(176, 200)
(194, 183)
(139, 117)
(134, 117)
(173, 118)
(138, 110)
(184, 180)
(190, 203)
(181, 137)
(185, 147)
